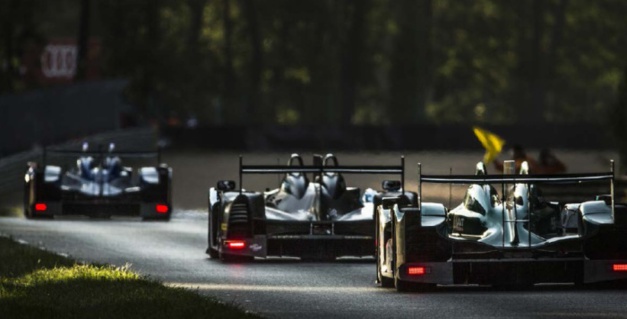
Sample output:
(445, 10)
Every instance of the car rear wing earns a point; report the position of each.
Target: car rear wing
(519, 179)
(319, 168)
(101, 154)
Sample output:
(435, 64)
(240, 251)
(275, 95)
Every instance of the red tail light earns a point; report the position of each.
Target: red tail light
(619, 267)
(41, 207)
(236, 244)
(416, 271)
(161, 208)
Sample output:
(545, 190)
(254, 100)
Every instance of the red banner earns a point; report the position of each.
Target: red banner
(55, 62)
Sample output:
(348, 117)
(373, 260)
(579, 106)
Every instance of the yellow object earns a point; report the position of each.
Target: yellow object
(492, 143)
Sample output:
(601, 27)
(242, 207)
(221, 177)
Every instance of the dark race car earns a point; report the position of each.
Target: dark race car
(98, 185)
(317, 219)
(519, 239)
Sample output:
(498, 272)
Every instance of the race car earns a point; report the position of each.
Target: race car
(314, 219)
(518, 239)
(98, 185)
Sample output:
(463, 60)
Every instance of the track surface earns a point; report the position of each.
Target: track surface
(174, 253)
(278, 288)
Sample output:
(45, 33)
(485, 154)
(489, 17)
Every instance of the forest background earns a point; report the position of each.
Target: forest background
(344, 62)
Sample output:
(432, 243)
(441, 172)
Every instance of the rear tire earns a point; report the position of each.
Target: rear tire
(385, 282)
(28, 212)
(213, 253)
(401, 285)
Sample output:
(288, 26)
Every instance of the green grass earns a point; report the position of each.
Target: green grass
(37, 284)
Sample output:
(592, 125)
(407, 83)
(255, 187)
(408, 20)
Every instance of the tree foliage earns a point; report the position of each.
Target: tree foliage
(343, 62)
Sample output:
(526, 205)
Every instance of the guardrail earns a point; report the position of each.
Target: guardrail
(12, 168)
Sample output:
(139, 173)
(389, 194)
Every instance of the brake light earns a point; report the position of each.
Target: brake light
(416, 271)
(41, 207)
(619, 267)
(161, 208)
(236, 244)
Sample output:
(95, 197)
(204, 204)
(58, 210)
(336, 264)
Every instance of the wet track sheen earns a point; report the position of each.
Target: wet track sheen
(284, 288)
(174, 252)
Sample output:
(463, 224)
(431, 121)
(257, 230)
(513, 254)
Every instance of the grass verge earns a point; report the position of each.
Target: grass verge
(38, 284)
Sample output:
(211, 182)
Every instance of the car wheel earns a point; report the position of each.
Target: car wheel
(213, 253)
(28, 213)
(385, 282)
(402, 286)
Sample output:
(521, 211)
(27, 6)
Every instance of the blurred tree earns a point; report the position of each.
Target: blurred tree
(83, 39)
(410, 76)
(617, 120)
(19, 27)
(229, 73)
(252, 112)
(352, 34)
(343, 62)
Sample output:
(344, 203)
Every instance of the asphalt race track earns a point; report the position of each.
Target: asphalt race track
(174, 252)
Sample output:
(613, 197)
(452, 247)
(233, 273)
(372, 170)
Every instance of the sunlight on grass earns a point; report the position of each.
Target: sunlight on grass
(77, 272)
(39, 284)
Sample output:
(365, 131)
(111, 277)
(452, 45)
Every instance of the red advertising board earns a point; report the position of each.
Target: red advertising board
(55, 61)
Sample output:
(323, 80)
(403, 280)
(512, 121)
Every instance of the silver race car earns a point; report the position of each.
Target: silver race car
(98, 185)
(519, 238)
(318, 219)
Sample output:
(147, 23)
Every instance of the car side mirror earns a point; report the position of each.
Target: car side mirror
(225, 185)
(391, 185)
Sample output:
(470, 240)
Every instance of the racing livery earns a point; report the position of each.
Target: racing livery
(98, 186)
(518, 239)
(318, 219)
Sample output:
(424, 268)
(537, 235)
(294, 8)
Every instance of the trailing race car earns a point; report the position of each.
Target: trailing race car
(519, 239)
(318, 219)
(98, 186)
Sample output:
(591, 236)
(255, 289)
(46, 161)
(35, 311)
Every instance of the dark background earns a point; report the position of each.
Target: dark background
(343, 74)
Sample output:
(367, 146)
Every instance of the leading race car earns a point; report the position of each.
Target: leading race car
(519, 239)
(98, 186)
(318, 219)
